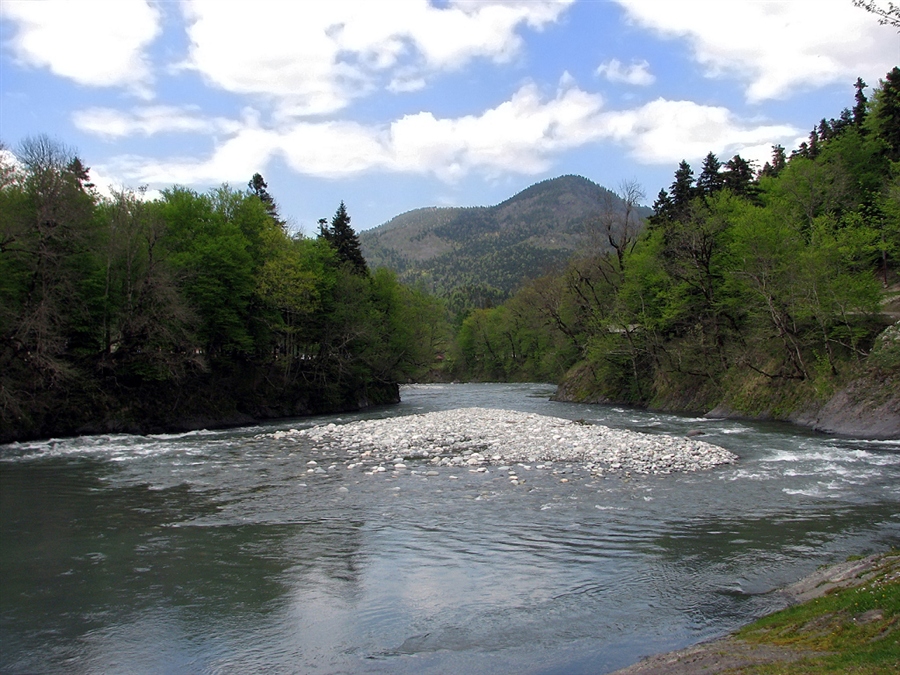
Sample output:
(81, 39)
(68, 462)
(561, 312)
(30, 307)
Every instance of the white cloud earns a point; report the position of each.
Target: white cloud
(520, 135)
(779, 47)
(150, 120)
(665, 132)
(233, 160)
(92, 42)
(523, 135)
(637, 73)
(314, 58)
(401, 84)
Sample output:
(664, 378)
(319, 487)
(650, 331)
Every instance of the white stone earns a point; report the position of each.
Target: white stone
(475, 437)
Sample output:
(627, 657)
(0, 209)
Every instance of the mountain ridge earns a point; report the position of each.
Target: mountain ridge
(495, 247)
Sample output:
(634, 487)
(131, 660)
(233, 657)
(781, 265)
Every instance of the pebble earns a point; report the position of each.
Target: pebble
(475, 438)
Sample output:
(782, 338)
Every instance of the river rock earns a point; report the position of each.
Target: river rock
(479, 437)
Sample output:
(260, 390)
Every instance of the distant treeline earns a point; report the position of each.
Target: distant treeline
(773, 277)
(191, 309)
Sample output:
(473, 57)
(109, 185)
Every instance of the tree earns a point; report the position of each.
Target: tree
(859, 110)
(682, 189)
(887, 16)
(739, 176)
(886, 113)
(215, 268)
(47, 254)
(258, 187)
(710, 180)
(663, 209)
(619, 223)
(813, 144)
(779, 160)
(147, 325)
(344, 240)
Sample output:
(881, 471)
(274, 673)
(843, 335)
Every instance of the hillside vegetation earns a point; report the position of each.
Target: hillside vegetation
(190, 310)
(480, 255)
(757, 293)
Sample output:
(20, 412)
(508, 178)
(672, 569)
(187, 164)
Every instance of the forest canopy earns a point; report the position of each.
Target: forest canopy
(746, 286)
(130, 313)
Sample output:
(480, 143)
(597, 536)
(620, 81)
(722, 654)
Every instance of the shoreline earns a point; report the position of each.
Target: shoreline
(730, 653)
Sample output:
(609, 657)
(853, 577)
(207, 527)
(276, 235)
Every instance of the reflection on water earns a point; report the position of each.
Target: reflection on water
(223, 552)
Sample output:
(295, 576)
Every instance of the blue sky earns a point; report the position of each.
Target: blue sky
(391, 105)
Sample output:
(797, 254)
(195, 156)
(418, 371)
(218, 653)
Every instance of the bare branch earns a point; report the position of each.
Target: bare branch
(887, 16)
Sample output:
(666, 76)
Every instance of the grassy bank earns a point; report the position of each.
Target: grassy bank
(846, 619)
(848, 630)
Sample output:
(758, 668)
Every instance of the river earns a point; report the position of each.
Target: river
(224, 552)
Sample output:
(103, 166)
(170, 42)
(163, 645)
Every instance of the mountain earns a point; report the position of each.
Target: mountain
(493, 248)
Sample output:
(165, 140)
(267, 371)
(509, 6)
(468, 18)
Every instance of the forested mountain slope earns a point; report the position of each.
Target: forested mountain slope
(495, 248)
(758, 293)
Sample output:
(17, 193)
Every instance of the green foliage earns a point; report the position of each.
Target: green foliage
(343, 238)
(741, 287)
(848, 630)
(211, 257)
(885, 356)
(500, 247)
(128, 313)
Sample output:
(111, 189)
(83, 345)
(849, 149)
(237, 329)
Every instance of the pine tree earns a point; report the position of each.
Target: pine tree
(779, 159)
(710, 179)
(662, 209)
(259, 187)
(813, 144)
(739, 176)
(682, 189)
(887, 113)
(859, 110)
(344, 240)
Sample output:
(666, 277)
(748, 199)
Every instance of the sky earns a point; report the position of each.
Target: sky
(392, 105)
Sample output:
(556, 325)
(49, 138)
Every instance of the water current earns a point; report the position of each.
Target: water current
(224, 552)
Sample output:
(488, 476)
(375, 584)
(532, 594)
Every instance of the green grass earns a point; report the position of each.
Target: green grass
(854, 630)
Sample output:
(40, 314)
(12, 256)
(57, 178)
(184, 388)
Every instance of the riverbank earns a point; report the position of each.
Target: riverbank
(840, 615)
(859, 398)
(211, 400)
(866, 407)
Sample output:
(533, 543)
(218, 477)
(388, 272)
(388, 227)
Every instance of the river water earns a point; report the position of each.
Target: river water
(224, 552)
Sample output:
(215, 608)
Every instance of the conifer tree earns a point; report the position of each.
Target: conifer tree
(779, 160)
(813, 144)
(844, 122)
(739, 176)
(344, 240)
(259, 187)
(662, 209)
(710, 179)
(887, 113)
(682, 189)
(859, 110)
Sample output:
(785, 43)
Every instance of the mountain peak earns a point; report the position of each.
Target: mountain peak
(495, 247)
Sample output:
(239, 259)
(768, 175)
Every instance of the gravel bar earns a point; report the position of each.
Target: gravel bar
(475, 438)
